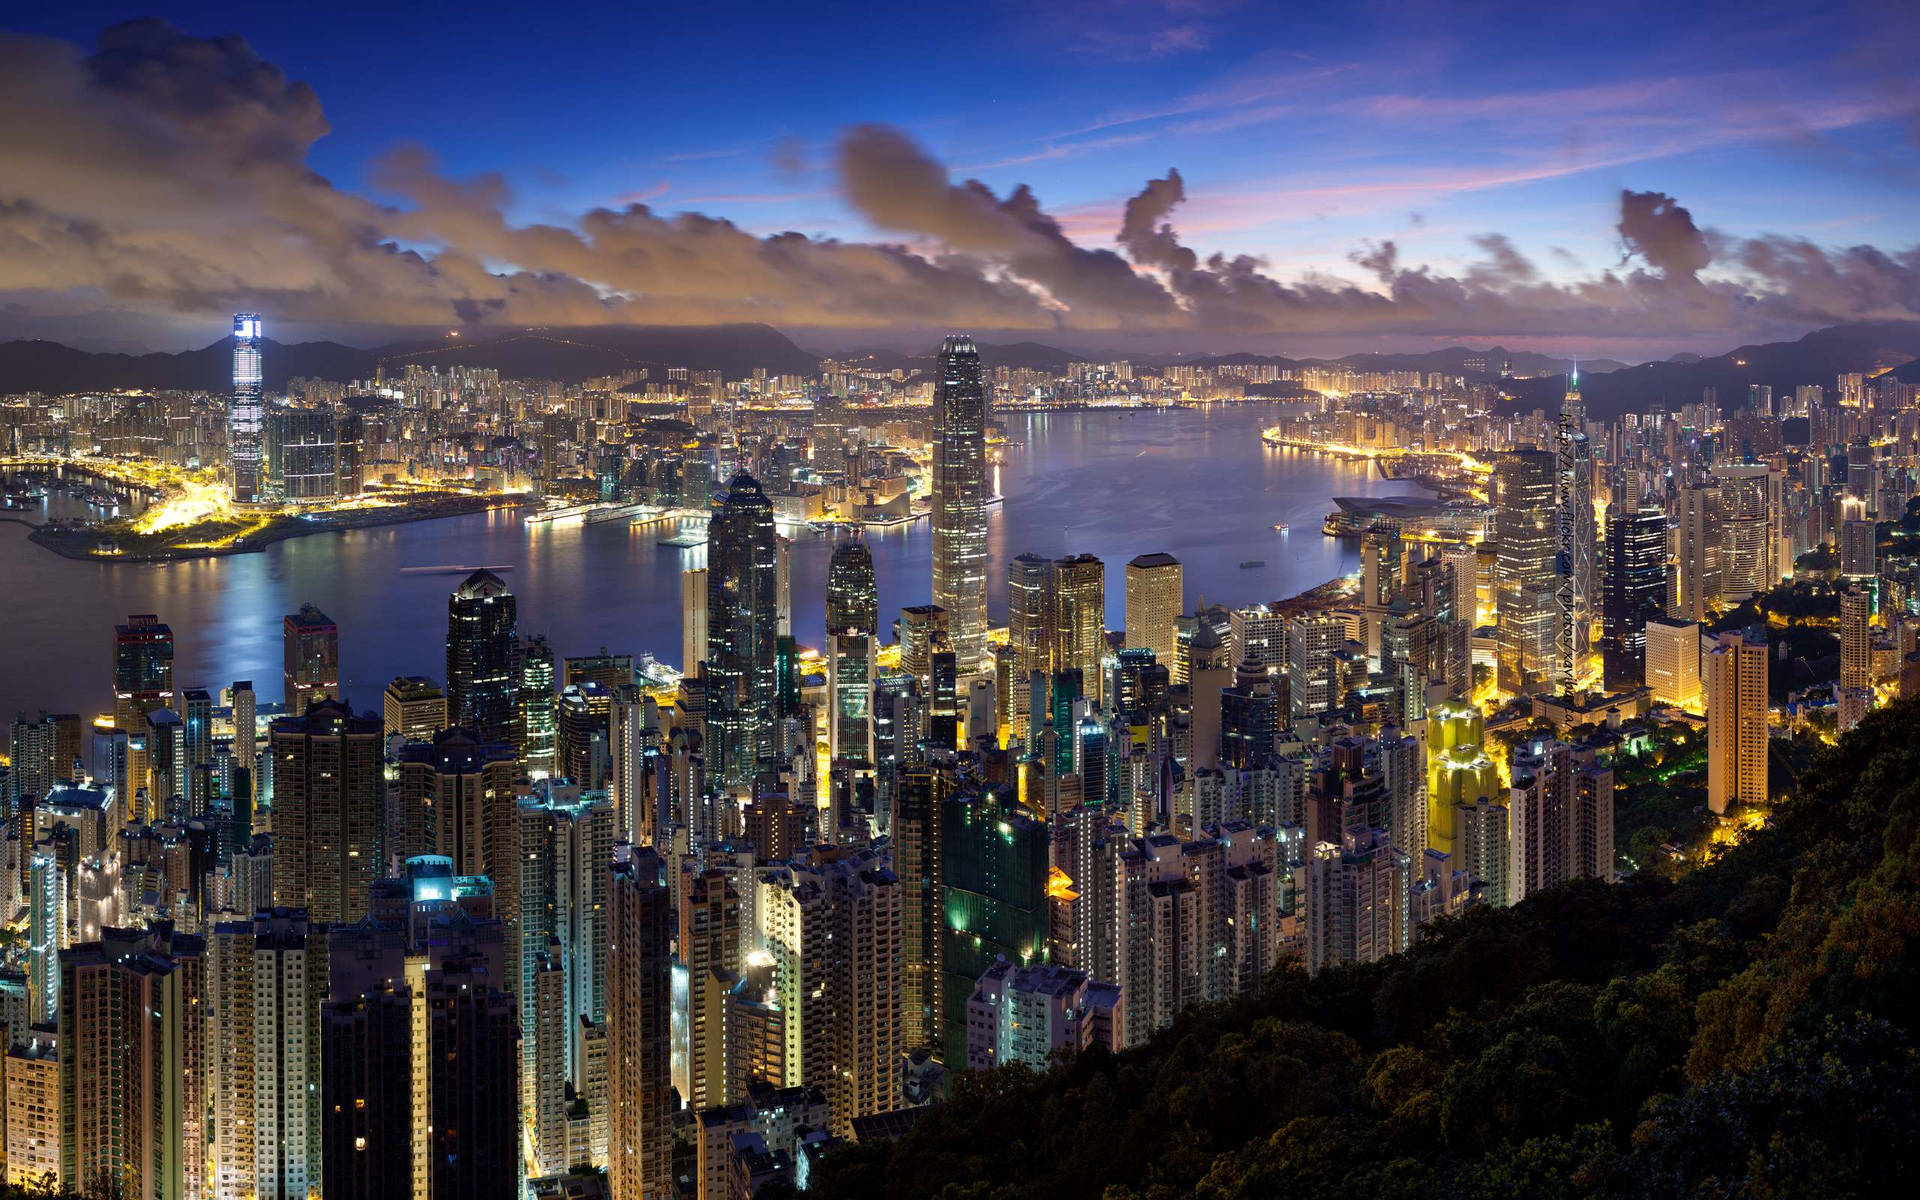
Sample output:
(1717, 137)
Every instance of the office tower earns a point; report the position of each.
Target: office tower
(1155, 599)
(328, 811)
(640, 930)
(1209, 672)
(1735, 671)
(1079, 625)
(584, 715)
(310, 652)
(1559, 818)
(301, 459)
(1574, 572)
(1464, 560)
(1359, 892)
(142, 671)
(246, 735)
(918, 818)
(710, 951)
(1635, 592)
(1314, 640)
(994, 868)
(1856, 639)
(1528, 608)
(742, 624)
(831, 921)
(693, 618)
(1699, 546)
(1673, 662)
(166, 751)
(611, 671)
(852, 622)
(1381, 557)
(1029, 618)
(960, 500)
(537, 723)
(35, 760)
(132, 1072)
(1037, 1015)
(33, 1106)
(829, 441)
(482, 674)
(245, 411)
(414, 708)
(266, 979)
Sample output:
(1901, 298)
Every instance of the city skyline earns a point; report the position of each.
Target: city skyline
(1381, 182)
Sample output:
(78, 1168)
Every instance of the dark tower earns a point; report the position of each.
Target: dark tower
(482, 681)
(742, 625)
(960, 500)
(1636, 591)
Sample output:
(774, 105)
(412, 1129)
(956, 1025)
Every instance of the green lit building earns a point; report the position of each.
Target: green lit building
(994, 870)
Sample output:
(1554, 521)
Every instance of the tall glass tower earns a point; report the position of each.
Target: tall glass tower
(483, 686)
(742, 623)
(960, 500)
(1573, 571)
(244, 416)
(853, 619)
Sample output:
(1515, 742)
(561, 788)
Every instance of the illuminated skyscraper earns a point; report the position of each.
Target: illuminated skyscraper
(639, 965)
(994, 871)
(1079, 625)
(693, 619)
(538, 726)
(413, 707)
(1698, 552)
(1856, 639)
(245, 412)
(960, 500)
(328, 811)
(742, 625)
(1736, 694)
(853, 620)
(1155, 600)
(1573, 570)
(310, 654)
(1529, 621)
(1636, 590)
(1029, 605)
(482, 687)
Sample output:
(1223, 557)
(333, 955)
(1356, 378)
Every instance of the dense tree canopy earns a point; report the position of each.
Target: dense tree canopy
(1745, 1030)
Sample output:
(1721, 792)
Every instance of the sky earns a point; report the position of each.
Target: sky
(1622, 179)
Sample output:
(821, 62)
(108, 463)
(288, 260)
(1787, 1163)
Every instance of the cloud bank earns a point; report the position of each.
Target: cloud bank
(168, 174)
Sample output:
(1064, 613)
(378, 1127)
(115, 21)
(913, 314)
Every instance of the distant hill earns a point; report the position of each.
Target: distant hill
(1869, 346)
(569, 354)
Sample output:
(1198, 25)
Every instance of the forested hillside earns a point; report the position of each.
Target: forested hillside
(1748, 1030)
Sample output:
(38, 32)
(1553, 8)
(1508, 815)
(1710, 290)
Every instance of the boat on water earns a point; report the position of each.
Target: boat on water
(685, 541)
(1251, 563)
(1282, 527)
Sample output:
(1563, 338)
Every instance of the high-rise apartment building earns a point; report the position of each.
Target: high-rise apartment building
(266, 980)
(1156, 597)
(640, 932)
(1359, 895)
(1735, 668)
(310, 652)
(328, 811)
(1559, 818)
(1856, 639)
(960, 500)
(482, 671)
(742, 626)
(1673, 662)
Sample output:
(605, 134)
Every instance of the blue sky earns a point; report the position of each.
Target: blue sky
(1305, 133)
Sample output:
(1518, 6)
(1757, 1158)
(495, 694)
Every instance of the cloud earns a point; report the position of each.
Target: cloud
(169, 174)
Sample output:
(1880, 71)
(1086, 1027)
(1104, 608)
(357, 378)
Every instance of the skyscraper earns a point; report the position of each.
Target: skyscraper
(310, 653)
(1698, 550)
(482, 687)
(1029, 619)
(1856, 639)
(1155, 600)
(1636, 587)
(328, 811)
(538, 725)
(245, 412)
(853, 620)
(413, 708)
(1079, 625)
(693, 619)
(995, 867)
(742, 625)
(960, 500)
(1736, 694)
(639, 963)
(1573, 569)
(1529, 621)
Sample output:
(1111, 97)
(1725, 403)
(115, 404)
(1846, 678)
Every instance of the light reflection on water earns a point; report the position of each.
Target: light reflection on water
(1196, 483)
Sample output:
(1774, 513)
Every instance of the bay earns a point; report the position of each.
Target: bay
(1197, 483)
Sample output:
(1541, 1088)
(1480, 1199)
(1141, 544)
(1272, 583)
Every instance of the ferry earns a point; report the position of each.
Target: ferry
(1282, 527)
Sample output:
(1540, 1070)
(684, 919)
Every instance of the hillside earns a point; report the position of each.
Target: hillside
(1747, 1031)
(1816, 358)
